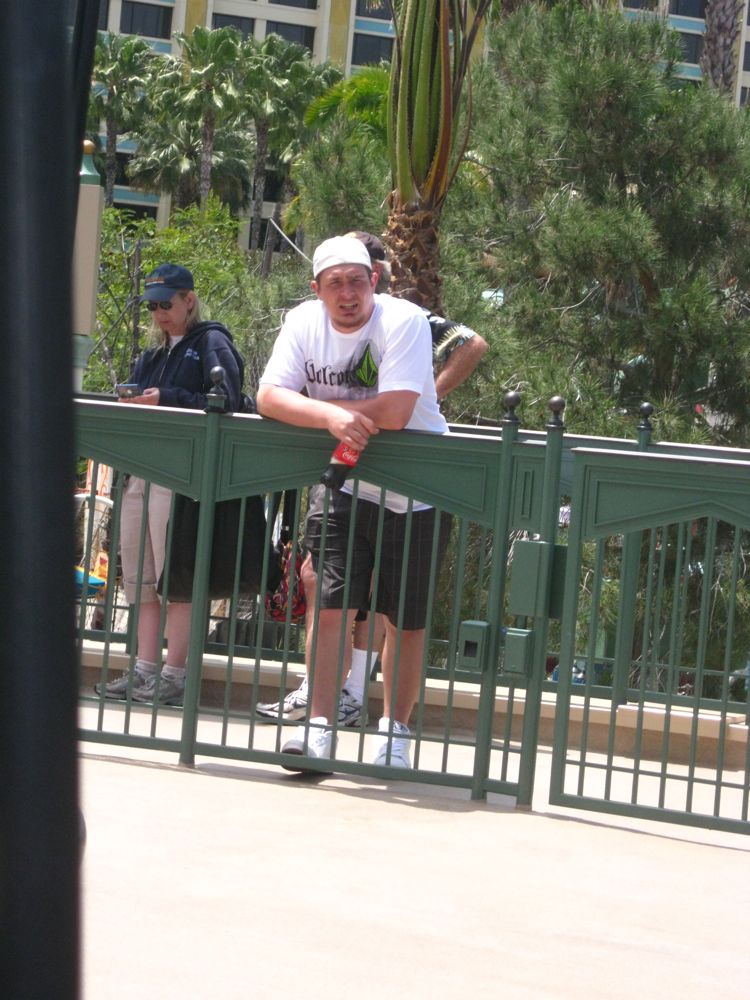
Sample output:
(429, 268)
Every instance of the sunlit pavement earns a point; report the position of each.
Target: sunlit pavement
(232, 880)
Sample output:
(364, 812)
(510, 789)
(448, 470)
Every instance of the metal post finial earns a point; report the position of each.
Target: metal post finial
(556, 406)
(216, 398)
(511, 400)
(646, 409)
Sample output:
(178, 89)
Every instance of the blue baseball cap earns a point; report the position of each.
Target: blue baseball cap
(166, 279)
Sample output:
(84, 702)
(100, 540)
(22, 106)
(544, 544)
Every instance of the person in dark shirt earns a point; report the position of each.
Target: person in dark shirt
(175, 371)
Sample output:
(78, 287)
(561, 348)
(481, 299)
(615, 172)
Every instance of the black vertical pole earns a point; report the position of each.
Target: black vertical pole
(39, 822)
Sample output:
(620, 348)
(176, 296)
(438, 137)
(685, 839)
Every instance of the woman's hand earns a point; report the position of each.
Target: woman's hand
(150, 397)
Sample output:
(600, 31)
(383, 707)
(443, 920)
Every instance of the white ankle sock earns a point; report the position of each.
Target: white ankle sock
(144, 668)
(362, 663)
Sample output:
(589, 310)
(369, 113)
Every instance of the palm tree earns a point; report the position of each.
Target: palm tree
(362, 97)
(118, 94)
(168, 161)
(279, 81)
(428, 131)
(207, 91)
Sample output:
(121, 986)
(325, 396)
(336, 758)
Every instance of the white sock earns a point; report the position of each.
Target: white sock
(362, 664)
(174, 673)
(144, 668)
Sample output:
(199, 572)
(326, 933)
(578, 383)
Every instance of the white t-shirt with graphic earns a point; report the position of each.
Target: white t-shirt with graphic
(391, 352)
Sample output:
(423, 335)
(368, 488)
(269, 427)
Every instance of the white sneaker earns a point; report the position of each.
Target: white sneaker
(291, 709)
(319, 742)
(398, 754)
(350, 709)
(294, 707)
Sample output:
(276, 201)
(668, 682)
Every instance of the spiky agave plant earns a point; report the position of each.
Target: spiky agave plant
(428, 129)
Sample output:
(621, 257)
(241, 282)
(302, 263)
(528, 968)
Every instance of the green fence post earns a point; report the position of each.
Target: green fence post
(199, 621)
(550, 517)
(495, 600)
(631, 558)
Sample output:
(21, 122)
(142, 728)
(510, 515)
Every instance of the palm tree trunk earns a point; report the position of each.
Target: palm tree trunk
(259, 181)
(110, 163)
(717, 61)
(412, 235)
(207, 155)
(272, 240)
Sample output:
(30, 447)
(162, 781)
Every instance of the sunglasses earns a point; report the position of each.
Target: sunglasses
(153, 306)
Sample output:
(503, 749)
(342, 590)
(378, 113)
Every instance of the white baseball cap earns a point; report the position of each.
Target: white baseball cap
(340, 250)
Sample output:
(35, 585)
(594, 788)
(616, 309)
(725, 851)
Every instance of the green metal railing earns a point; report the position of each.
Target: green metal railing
(599, 637)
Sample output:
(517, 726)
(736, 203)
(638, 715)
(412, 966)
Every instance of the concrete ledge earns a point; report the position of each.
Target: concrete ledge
(463, 701)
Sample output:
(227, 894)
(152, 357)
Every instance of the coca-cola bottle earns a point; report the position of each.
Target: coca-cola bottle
(342, 459)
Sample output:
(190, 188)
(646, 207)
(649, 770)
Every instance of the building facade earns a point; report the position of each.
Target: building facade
(688, 18)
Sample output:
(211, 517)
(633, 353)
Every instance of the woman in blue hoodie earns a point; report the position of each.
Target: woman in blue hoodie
(174, 372)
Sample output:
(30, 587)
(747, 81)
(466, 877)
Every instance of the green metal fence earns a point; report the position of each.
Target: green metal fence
(558, 617)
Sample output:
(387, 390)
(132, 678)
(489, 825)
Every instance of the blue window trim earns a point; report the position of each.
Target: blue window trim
(688, 69)
(374, 27)
(136, 197)
(692, 25)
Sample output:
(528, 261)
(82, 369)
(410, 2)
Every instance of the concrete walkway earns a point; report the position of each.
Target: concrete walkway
(233, 881)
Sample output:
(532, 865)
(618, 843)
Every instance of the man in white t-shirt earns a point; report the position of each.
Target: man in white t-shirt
(365, 361)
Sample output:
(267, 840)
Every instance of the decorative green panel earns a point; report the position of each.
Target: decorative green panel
(629, 492)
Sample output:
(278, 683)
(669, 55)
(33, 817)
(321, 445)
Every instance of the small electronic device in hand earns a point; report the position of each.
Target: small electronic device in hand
(126, 390)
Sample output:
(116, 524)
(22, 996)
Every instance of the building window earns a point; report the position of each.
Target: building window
(145, 19)
(746, 59)
(103, 15)
(370, 49)
(692, 46)
(298, 33)
(305, 4)
(121, 172)
(136, 211)
(688, 8)
(245, 25)
(381, 9)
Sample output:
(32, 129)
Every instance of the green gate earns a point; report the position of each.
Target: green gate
(598, 600)
(652, 705)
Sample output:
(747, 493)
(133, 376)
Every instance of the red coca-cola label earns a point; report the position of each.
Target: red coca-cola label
(345, 455)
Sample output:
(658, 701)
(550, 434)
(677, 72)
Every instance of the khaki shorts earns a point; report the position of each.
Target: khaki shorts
(154, 542)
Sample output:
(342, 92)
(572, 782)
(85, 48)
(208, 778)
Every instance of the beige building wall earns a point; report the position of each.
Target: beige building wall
(340, 31)
(195, 14)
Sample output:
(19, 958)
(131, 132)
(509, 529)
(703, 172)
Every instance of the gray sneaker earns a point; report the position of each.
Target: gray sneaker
(118, 688)
(171, 692)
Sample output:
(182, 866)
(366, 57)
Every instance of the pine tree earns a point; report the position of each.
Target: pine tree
(612, 210)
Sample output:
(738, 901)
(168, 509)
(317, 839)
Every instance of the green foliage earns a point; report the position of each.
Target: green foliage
(342, 180)
(362, 98)
(204, 240)
(118, 94)
(279, 79)
(610, 205)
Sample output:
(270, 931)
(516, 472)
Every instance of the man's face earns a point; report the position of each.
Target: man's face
(346, 290)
